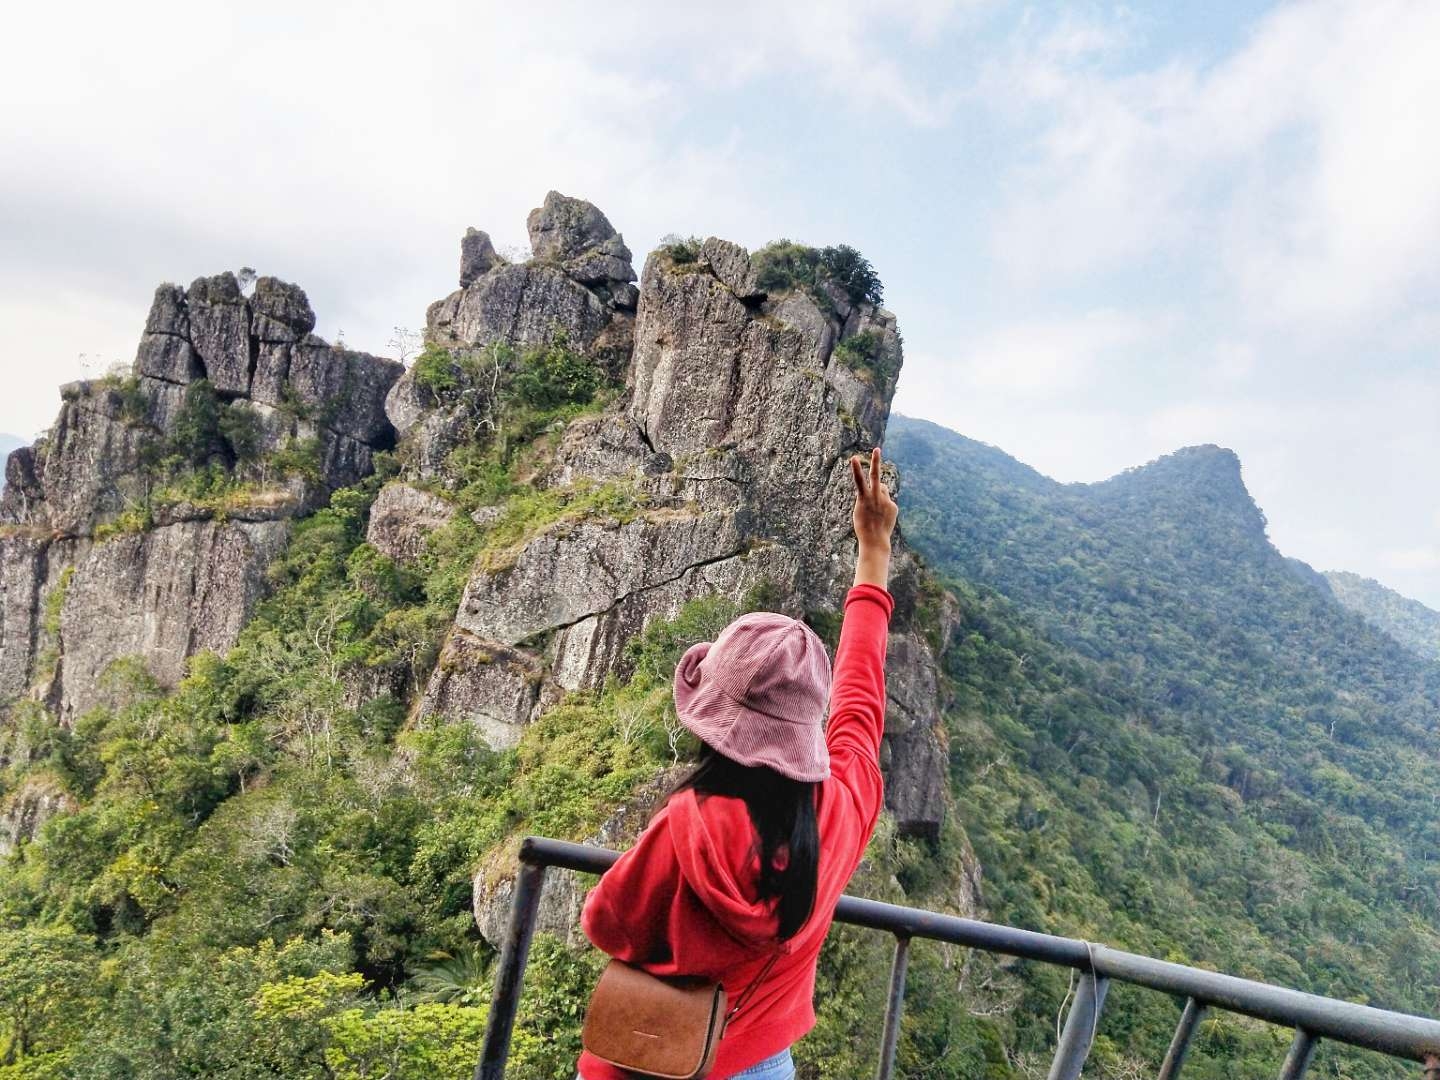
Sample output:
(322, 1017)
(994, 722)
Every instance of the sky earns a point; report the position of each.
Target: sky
(1108, 230)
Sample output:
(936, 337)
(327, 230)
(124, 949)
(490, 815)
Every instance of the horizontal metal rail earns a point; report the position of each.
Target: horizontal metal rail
(1313, 1017)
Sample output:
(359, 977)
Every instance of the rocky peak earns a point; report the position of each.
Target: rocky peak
(575, 234)
(720, 436)
(477, 256)
(142, 522)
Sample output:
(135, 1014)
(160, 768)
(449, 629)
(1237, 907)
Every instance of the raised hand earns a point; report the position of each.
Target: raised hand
(874, 518)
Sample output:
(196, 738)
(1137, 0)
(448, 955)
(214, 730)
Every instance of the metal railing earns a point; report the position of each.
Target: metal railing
(1313, 1017)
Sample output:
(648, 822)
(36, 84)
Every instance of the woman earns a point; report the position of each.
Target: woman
(735, 879)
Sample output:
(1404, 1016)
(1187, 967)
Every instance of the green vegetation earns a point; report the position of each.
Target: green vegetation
(681, 250)
(254, 805)
(506, 408)
(865, 353)
(1165, 738)
(1408, 621)
(784, 265)
(532, 511)
(50, 612)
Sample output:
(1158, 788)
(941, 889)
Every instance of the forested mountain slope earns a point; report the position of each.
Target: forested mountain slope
(1173, 738)
(1407, 621)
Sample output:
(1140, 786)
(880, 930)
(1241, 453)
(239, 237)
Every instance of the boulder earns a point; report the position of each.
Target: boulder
(523, 305)
(165, 356)
(345, 390)
(167, 313)
(402, 517)
(562, 228)
(731, 264)
(281, 311)
(220, 331)
(477, 256)
(487, 684)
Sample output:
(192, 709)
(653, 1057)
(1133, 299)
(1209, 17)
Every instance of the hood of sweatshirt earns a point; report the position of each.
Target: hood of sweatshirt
(718, 852)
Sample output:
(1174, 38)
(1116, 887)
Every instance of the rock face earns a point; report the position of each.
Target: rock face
(35, 802)
(494, 687)
(102, 557)
(163, 594)
(577, 290)
(402, 517)
(733, 441)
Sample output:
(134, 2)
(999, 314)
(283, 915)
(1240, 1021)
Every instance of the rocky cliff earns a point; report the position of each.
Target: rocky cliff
(723, 398)
(142, 523)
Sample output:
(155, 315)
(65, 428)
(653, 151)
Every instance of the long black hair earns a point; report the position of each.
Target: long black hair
(783, 813)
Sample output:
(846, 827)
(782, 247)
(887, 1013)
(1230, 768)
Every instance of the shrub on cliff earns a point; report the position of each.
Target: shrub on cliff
(783, 265)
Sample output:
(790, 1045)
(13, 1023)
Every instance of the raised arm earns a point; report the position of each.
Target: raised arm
(857, 693)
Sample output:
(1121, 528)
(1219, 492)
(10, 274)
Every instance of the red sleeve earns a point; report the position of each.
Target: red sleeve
(857, 699)
(625, 913)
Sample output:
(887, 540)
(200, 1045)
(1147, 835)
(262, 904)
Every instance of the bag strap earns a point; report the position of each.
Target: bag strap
(754, 984)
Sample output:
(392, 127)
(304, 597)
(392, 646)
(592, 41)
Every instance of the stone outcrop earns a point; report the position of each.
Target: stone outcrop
(732, 441)
(577, 289)
(477, 256)
(492, 686)
(401, 517)
(99, 560)
(23, 811)
(730, 444)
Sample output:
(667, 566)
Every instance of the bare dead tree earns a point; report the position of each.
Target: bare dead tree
(406, 343)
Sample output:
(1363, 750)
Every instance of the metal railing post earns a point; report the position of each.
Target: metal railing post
(1080, 1026)
(1302, 1049)
(894, 1008)
(1180, 1044)
(511, 972)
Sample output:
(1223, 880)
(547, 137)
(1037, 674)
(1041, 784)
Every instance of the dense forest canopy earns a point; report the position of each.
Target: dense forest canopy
(1170, 737)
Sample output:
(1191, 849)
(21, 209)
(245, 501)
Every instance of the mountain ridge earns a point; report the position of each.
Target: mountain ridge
(1410, 622)
(1230, 765)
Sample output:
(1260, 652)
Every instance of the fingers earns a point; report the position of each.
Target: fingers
(875, 469)
(857, 476)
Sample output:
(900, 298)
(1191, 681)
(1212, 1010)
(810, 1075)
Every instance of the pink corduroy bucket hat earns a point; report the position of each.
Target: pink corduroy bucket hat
(757, 694)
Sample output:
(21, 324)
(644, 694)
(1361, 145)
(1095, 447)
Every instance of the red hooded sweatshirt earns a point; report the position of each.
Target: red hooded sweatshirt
(683, 900)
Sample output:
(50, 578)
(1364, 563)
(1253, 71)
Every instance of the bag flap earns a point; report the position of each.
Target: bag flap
(638, 1022)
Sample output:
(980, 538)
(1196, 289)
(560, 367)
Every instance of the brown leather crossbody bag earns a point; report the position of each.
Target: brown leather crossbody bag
(666, 1029)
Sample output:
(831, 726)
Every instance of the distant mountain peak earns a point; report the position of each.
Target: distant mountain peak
(1207, 461)
(1408, 621)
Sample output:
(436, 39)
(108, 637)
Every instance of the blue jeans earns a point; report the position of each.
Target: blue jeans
(779, 1067)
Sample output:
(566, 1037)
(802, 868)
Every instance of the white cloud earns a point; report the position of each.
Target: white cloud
(1050, 358)
(1299, 172)
(1412, 558)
